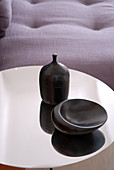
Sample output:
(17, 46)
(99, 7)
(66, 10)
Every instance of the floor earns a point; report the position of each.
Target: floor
(4, 167)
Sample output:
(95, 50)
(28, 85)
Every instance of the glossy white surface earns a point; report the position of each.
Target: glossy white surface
(23, 143)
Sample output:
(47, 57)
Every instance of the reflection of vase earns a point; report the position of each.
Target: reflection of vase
(45, 117)
(77, 145)
(54, 82)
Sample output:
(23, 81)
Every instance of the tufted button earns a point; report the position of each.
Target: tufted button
(34, 2)
(89, 2)
(96, 27)
(35, 26)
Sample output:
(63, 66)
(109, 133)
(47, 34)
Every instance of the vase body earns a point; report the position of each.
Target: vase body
(54, 82)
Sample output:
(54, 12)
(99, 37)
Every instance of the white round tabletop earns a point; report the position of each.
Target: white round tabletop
(26, 129)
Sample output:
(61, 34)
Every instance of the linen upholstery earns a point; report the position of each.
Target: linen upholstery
(5, 15)
(80, 31)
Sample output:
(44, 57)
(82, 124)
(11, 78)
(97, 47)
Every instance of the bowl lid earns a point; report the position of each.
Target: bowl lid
(78, 116)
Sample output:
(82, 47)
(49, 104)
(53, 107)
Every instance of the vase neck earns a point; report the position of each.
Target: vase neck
(54, 57)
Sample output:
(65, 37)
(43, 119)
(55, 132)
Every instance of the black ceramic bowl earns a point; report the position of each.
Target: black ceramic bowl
(78, 116)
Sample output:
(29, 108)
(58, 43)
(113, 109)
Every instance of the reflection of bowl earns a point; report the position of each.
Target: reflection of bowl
(77, 145)
(78, 116)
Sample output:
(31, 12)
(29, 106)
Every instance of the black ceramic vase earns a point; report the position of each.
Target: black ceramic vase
(54, 82)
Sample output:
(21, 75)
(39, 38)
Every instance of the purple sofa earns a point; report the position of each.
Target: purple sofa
(80, 31)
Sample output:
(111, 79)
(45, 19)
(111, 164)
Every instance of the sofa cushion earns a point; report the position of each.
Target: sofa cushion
(5, 15)
(80, 31)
